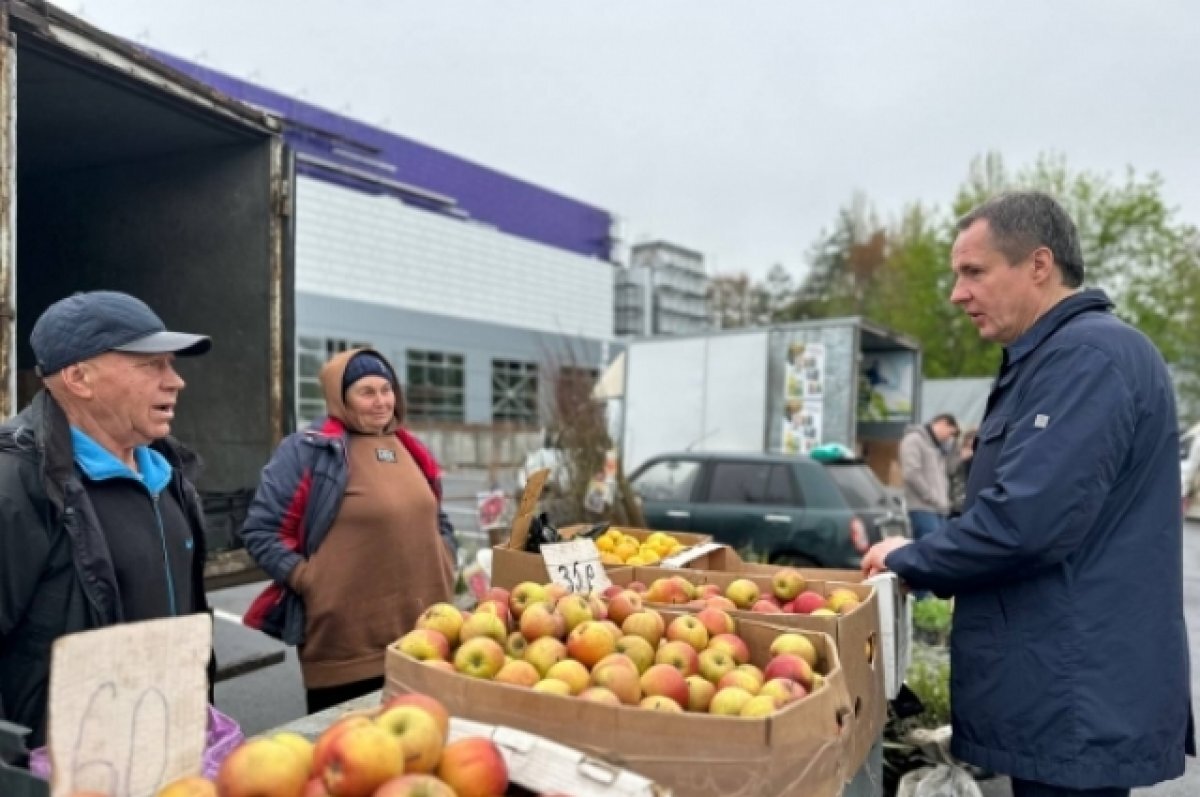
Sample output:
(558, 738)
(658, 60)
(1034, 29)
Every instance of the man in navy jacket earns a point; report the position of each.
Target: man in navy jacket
(1069, 654)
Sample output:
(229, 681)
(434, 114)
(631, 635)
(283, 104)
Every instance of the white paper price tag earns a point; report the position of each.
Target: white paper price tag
(576, 565)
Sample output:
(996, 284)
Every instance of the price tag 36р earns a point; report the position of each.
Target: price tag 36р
(576, 565)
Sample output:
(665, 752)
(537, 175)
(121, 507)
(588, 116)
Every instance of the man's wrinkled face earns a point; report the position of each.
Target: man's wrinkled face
(133, 396)
(1000, 297)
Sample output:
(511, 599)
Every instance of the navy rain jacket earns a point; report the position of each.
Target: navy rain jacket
(1069, 653)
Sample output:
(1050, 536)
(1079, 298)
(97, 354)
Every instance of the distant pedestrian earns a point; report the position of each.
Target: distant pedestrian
(1069, 649)
(960, 472)
(924, 452)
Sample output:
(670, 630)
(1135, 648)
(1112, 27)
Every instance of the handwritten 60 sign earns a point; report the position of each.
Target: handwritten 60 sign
(128, 706)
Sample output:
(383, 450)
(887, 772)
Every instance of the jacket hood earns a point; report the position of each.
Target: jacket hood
(331, 383)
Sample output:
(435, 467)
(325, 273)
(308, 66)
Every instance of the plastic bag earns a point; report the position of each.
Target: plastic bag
(946, 778)
(223, 735)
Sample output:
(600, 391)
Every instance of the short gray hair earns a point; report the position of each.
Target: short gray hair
(1021, 221)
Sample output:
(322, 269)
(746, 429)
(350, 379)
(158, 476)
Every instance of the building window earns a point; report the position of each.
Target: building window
(515, 392)
(311, 354)
(435, 386)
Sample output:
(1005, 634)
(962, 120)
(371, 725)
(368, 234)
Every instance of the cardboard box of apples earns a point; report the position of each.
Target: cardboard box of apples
(700, 703)
(782, 596)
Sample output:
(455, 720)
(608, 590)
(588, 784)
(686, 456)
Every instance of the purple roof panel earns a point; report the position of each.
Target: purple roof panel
(342, 150)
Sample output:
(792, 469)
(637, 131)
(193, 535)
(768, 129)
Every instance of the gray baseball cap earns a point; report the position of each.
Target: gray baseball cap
(89, 324)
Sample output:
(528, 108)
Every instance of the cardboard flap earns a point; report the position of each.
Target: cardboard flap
(529, 499)
(129, 706)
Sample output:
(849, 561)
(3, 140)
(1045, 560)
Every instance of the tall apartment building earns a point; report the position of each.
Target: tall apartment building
(664, 291)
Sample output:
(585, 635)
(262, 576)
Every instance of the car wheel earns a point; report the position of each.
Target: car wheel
(793, 560)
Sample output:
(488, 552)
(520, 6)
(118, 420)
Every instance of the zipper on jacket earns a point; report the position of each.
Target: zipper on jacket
(162, 537)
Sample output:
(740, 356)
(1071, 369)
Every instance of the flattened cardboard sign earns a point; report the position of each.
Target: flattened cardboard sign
(128, 706)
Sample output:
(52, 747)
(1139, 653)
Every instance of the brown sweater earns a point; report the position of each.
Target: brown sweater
(380, 566)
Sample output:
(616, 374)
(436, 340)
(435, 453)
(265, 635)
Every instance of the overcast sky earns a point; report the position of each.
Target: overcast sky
(734, 128)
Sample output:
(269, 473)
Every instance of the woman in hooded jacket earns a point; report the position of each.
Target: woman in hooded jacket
(347, 521)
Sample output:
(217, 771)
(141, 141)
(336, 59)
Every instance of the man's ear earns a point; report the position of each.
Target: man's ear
(77, 380)
(1044, 269)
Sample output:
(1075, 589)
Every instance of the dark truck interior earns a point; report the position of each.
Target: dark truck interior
(124, 185)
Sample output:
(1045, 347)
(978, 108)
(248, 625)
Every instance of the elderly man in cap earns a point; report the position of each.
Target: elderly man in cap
(99, 521)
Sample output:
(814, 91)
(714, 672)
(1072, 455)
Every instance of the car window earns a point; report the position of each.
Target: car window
(668, 480)
(739, 483)
(779, 488)
(858, 485)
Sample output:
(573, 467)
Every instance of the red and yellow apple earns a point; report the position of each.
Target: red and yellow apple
(474, 767)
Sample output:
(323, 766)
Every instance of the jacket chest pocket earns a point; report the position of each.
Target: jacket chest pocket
(988, 445)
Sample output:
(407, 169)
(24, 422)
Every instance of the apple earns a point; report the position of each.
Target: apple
(363, 758)
(706, 591)
(439, 664)
(687, 628)
(679, 655)
(789, 665)
(572, 673)
(552, 686)
(424, 643)
(783, 689)
(720, 602)
(483, 624)
(716, 621)
(823, 612)
(612, 591)
(515, 645)
(617, 658)
(714, 663)
(661, 703)
(839, 596)
(554, 591)
(417, 785)
(598, 606)
(419, 733)
(664, 680)
(766, 607)
(590, 642)
(742, 679)
(190, 786)
(543, 652)
(666, 590)
(734, 645)
(638, 650)
(622, 680)
(645, 624)
(518, 672)
(598, 694)
(474, 767)
(315, 788)
(540, 620)
(480, 657)
(613, 629)
(795, 643)
(497, 608)
(700, 692)
(685, 586)
(807, 601)
(636, 586)
(499, 594)
(729, 701)
(845, 607)
(760, 706)
(432, 705)
(328, 736)
(787, 583)
(624, 604)
(574, 609)
(298, 745)
(524, 595)
(743, 592)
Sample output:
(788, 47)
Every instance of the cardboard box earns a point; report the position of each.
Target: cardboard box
(857, 635)
(800, 750)
(512, 564)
